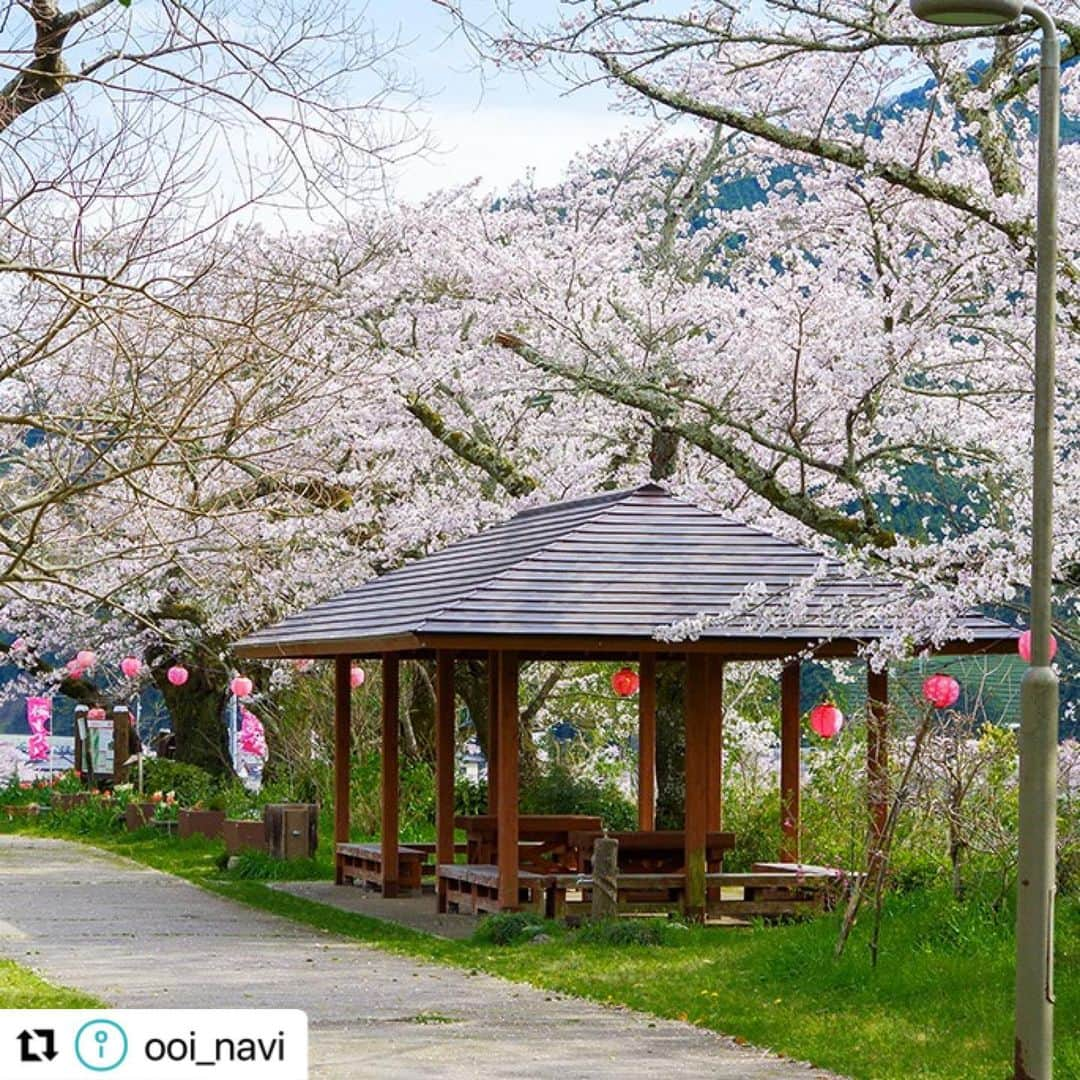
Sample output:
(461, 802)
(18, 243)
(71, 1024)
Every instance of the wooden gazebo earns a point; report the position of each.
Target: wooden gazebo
(593, 579)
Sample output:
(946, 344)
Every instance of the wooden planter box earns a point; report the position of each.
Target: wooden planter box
(69, 800)
(208, 823)
(292, 829)
(138, 815)
(244, 836)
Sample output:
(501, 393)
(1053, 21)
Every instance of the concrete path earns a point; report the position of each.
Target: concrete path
(414, 912)
(138, 938)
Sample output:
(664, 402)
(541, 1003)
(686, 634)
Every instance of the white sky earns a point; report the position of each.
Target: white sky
(496, 126)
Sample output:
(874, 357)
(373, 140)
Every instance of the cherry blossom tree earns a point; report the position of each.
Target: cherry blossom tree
(832, 343)
(858, 341)
(133, 138)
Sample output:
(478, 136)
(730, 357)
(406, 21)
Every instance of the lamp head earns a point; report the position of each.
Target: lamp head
(967, 12)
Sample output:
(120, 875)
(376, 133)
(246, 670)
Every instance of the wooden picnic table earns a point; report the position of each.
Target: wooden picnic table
(658, 852)
(543, 839)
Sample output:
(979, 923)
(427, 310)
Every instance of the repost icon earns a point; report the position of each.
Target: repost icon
(101, 1045)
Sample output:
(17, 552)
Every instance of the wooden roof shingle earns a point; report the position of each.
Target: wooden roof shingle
(613, 567)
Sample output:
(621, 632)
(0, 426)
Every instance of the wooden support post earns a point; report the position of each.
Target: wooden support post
(790, 737)
(715, 739)
(605, 874)
(390, 775)
(509, 722)
(493, 733)
(342, 748)
(122, 740)
(697, 776)
(445, 746)
(647, 742)
(877, 753)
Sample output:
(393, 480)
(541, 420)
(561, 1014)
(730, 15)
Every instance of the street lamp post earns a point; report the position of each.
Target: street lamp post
(1039, 691)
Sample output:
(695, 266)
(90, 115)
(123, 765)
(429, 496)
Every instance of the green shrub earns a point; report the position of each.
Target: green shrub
(753, 815)
(190, 783)
(258, 866)
(559, 791)
(416, 798)
(69, 783)
(13, 793)
(94, 817)
(470, 797)
(624, 932)
(513, 928)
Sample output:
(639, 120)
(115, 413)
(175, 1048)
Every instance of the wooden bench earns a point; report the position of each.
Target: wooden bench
(775, 890)
(570, 895)
(364, 863)
(427, 869)
(770, 890)
(474, 889)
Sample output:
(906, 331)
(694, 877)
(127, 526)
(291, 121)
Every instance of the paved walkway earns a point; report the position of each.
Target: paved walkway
(415, 912)
(138, 938)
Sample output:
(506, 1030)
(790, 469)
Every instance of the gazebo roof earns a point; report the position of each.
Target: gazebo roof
(600, 574)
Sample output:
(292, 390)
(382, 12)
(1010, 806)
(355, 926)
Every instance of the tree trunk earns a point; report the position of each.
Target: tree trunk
(471, 685)
(670, 745)
(418, 711)
(197, 712)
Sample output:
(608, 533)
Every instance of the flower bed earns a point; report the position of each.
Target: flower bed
(244, 836)
(195, 822)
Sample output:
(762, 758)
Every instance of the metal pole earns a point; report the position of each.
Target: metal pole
(1039, 690)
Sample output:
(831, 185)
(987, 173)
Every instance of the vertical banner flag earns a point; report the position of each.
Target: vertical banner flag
(39, 717)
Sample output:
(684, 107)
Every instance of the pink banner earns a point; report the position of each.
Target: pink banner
(39, 717)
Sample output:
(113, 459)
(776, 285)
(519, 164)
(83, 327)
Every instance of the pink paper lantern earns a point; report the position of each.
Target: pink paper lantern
(625, 682)
(130, 666)
(1024, 646)
(826, 719)
(96, 713)
(941, 691)
(86, 658)
(242, 686)
(356, 677)
(74, 669)
(177, 675)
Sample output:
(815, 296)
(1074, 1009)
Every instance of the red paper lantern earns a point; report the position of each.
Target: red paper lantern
(1024, 646)
(625, 682)
(130, 666)
(242, 686)
(826, 719)
(96, 713)
(356, 677)
(941, 691)
(177, 675)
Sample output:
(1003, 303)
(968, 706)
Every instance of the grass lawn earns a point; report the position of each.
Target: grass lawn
(939, 1005)
(22, 989)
